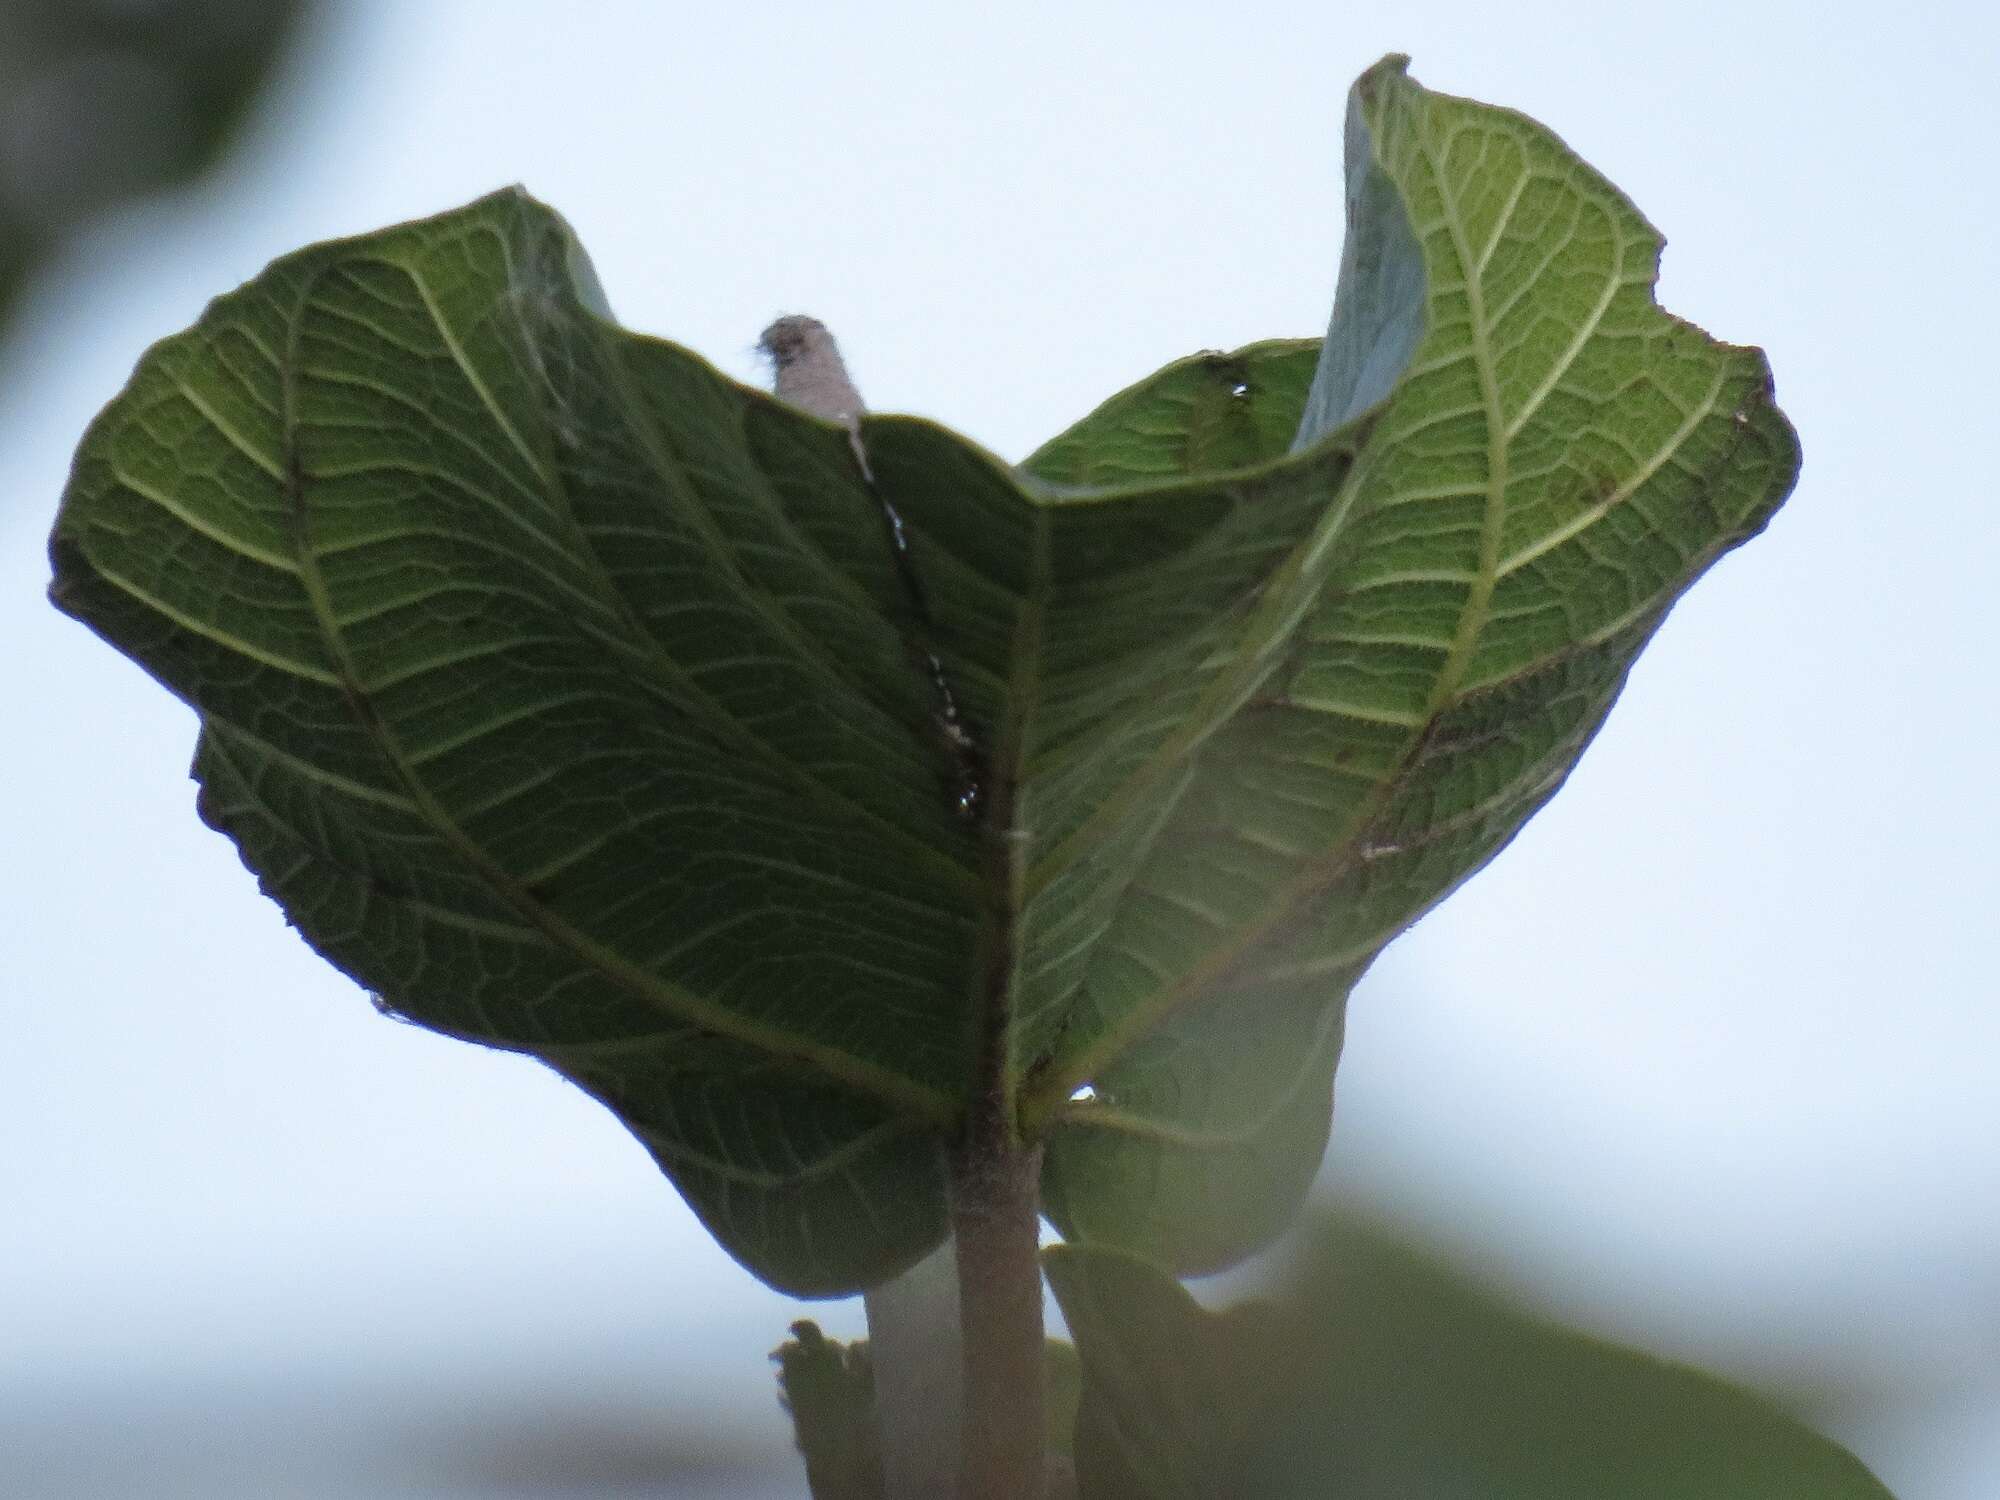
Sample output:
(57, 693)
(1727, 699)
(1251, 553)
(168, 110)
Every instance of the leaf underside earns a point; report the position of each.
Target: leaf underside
(578, 700)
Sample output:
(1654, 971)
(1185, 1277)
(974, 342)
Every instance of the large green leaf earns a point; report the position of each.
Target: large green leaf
(1380, 1372)
(1546, 460)
(579, 700)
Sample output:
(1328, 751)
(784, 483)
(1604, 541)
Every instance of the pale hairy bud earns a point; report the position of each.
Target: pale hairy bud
(810, 372)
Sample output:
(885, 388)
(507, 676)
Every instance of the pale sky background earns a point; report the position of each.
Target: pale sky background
(1709, 1058)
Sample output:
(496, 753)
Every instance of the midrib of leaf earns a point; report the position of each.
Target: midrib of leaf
(1479, 594)
(864, 1077)
(998, 967)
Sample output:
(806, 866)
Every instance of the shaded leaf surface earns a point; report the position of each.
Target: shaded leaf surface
(578, 700)
(1379, 1372)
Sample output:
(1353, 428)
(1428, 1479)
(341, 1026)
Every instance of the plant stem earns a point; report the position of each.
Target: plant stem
(913, 1341)
(999, 1429)
(995, 1220)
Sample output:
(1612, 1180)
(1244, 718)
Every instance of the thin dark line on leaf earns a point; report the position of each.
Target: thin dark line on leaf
(947, 722)
(961, 751)
(650, 437)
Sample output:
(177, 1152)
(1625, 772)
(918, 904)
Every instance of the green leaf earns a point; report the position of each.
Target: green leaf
(561, 692)
(1379, 1372)
(580, 701)
(1210, 411)
(1544, 462)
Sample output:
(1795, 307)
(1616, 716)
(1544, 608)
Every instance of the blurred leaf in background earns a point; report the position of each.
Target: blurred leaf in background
(106, 100)
(1378, 1371)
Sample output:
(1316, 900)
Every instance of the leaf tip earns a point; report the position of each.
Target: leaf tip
(1391, 67)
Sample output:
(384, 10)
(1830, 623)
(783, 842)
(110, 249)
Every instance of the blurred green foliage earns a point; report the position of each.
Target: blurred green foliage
(106, 100)
(1377, 1372)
